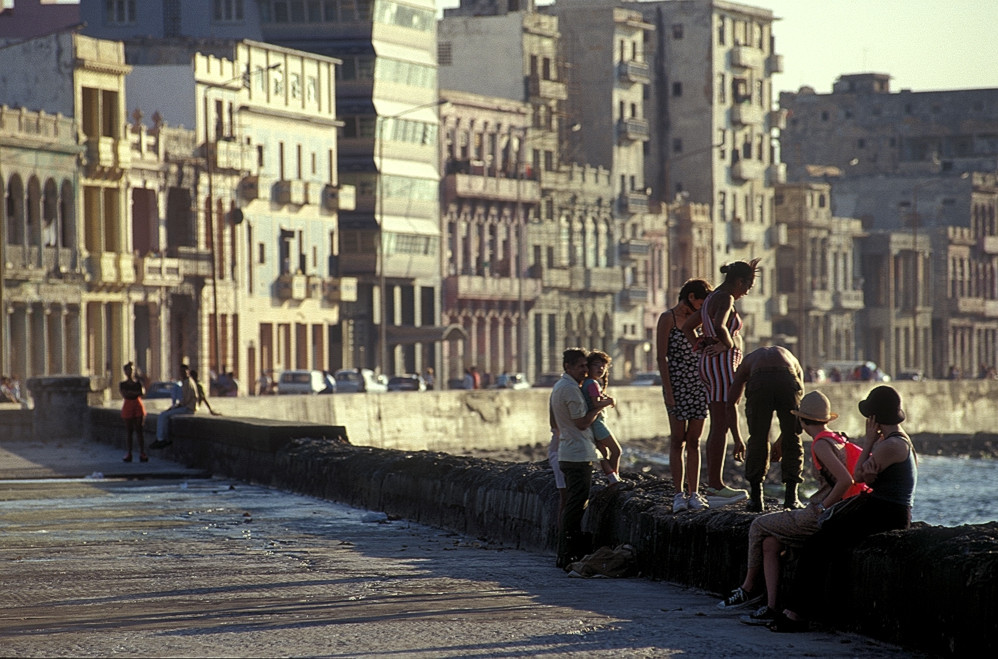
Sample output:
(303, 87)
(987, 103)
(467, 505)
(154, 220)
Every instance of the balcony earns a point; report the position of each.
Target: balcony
(635, 248)
(778, 235)
(747, 170)
(988, 244)
(774, 63)
(778, 304)
(547, 89)
(597, 280)
(991, 308)
(249, 188)
(820, 301)
(746, 57)
(634, 71)
(747, 233)
(777, 173)
(342, 198)
(229, 154)
(472, 186)
(556, 278)
(473, 287)
(106, 153)
(632, 130)
(339, 289)
(633, 296)
(747, 114)
(778, 119)
(291, 287)
(158, 271)
(633, 202)
(110, 269)
(290, 192)
(194, 262)
(971, 306)
(851, 300)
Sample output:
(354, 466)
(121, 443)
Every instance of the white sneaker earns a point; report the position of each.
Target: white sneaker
(679, 502)
(697, 502)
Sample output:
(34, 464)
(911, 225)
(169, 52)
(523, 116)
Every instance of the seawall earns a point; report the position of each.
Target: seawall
(499, 419)
(929, 589)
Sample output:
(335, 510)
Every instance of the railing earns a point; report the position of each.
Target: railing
(633, 202)
(634, 71)
(474, 287)
(471, 186)
(747, 114)
(633, 129)
(550, 89)
(158, 271)
(848, 299)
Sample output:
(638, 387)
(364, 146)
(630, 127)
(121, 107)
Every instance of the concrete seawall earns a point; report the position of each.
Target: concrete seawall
(929, 589)
(499, 419)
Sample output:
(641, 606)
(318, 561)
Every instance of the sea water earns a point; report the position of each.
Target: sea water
(951, 490)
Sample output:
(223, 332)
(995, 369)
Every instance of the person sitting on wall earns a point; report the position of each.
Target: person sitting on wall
(186, 405)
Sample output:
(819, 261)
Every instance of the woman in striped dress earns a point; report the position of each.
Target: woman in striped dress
(720, 352)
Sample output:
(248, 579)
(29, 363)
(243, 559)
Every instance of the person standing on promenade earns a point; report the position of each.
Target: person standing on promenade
(186, 405)
(832, 456)
(720, 354)
(685, 394)
(576, 452)
(773, 381)
(888, 463)
(133, 411)
(594, 389)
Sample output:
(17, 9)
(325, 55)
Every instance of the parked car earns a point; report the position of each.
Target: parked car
(163, 389)
(306, 382)
(354, 380)
(406, 382)
(914, 374)
(855, 370)
(647, 379)
(511, 381)
(547, 380)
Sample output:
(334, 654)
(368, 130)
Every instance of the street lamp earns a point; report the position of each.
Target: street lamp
(382, 244)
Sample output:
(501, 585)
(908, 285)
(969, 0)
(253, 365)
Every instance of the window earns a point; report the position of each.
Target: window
(120, 12)
(677, 89)
(677, 30)
(444, 56)
(677, 145)
(228, 11)
(261, 253)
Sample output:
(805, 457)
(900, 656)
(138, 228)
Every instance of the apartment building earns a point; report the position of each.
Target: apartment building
(388, 150)
(918, 169)
(266, 197)
(713, 133)
(818, 297)
(69, 75)
(490, 195)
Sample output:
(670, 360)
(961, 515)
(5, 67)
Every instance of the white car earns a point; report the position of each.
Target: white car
(353, 380)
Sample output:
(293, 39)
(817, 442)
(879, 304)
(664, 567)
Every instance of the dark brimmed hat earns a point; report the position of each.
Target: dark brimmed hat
(884, 403)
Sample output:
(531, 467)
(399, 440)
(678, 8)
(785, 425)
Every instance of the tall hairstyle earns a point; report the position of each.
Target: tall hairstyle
(600, 356)
(699, 287)
(572, 355)
(740, 270)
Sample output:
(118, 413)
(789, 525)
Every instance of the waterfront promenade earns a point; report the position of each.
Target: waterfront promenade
(169, 563)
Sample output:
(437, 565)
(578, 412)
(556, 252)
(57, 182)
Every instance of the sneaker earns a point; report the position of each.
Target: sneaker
(761, 616)
(679, 502)
(755, 506)
(739, 599)
(724, 496)
(698, 502)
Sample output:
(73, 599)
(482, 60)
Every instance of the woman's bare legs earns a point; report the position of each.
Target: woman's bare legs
(694, 428)
(677, 445)
(771, 548)
(717, 443)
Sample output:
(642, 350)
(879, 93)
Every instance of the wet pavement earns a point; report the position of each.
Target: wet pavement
(103, 558)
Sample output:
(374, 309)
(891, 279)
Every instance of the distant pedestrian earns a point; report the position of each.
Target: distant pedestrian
(187, 404)
(202, 397)
(685, 395)
(428, 378)
(133, 412)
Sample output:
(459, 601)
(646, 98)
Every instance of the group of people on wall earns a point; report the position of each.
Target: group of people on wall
(864, 489)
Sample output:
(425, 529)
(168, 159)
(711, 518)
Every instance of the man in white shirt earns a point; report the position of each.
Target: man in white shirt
(576, 452)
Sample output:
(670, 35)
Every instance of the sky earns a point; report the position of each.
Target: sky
(924, 45)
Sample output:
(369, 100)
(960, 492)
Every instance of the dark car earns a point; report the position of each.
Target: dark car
(406, 382)
(162, 389)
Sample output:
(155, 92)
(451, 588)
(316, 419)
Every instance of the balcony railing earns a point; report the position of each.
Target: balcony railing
(632, 130)
(110, 268)
(634, 248)
(556, 278)
(746, 57)
(747, 114)
(291, 287)
(988, 244)
(747, 170)
(339, 289)
(194, 262)
(745, 233)
(471, 186)
(633, 296)
(777, 173)
(549, 89)
(108, 153)
(634, 71)
(290, 192)
(473, 287)
(633, 202)
(158, 271)
(775, 63)
(848, 299)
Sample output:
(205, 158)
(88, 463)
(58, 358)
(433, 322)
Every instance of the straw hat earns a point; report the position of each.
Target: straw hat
(815, 407)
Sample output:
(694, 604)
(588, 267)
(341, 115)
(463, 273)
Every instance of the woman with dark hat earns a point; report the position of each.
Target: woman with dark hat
(887, 464)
